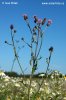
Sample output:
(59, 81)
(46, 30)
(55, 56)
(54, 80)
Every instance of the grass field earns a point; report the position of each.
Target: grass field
(16, 88)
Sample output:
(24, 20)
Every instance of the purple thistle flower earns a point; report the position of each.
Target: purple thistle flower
(25, 16)
(39, 21)
(49, 22)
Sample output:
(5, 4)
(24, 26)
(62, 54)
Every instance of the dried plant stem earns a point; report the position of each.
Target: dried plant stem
(31, 73)
(39, 48)
(29, 26)
(37, 43)
(15, 53)
(13, 64)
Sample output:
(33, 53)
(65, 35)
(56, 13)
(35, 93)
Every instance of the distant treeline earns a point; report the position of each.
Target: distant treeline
(15, 74)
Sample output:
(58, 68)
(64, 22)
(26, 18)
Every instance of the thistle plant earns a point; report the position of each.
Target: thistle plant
(16, 56)
(37, 35)
(35, 45)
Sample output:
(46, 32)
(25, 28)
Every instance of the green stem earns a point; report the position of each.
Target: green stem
(13, 64)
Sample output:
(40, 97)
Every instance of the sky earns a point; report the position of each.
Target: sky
(54, 36)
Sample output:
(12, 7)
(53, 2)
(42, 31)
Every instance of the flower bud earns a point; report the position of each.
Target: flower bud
(49, 22)
(11, 27)
(6, 41)
(51, 49)
(25, 16)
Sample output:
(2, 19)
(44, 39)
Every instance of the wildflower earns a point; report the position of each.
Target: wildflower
(11, 27)
(31, 91)
(46, 83)
(39, 21)
(25, 16)
(51, 49)
(52, 77)
(65, 77)
(44, 20)
(6, 78)
(49, 22)
(53, 94)
(2, 74)
(17, 85)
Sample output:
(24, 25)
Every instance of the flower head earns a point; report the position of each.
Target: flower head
(25, 16)
(11, 27)
(51, 49)
(39, 21)
(49, 22)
